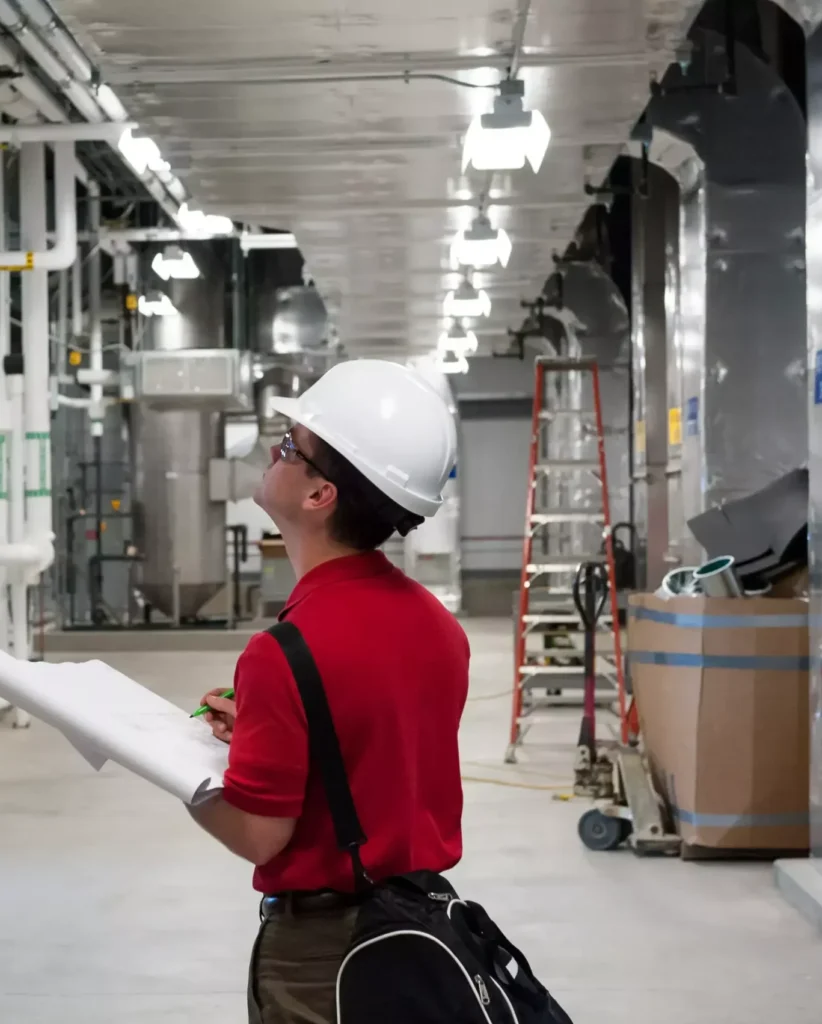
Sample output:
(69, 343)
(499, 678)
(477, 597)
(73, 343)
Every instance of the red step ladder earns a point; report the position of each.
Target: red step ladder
(568, 521)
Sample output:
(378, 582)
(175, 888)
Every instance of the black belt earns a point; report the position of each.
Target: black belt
(318, 902)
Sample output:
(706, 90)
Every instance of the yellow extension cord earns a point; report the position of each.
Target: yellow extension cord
(550, 788)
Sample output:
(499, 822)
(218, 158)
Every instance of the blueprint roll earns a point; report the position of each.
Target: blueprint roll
(718, 578)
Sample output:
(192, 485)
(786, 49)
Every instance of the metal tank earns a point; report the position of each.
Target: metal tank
(181, 533)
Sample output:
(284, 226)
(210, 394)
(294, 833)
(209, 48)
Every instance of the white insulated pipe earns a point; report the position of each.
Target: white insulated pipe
(106, 131)
(77, 298)
(96, 105)
(31, 41)
(40, 259)
(95, 324)
(35, 296)
(17, 524)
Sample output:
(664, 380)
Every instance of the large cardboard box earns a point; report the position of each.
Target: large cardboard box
(721, 687)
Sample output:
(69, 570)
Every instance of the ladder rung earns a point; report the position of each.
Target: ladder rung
(568, 466)
(562, 563)
(548, 618)
(561, 670)
(566, 515)
(578, 414)
(555, 365)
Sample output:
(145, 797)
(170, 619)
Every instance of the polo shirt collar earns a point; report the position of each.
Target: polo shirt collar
(338, 570)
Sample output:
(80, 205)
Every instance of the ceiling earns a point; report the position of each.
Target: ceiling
(286, 114)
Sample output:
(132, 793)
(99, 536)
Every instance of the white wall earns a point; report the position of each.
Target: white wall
(493, 488)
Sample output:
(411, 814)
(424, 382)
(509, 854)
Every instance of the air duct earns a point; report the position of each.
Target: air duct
(737, 414)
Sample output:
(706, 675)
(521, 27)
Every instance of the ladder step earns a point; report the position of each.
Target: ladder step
(557, 364)
(550, 618)
(576, 414)
(566, 515)
(561, 563)
(560, 670)
(568, 466)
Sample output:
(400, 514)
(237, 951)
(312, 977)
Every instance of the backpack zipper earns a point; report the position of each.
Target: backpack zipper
(485, 999)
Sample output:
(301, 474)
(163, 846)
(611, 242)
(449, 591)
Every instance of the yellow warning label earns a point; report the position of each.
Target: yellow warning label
(639, 437)
(674, 427)
(103, 526)
(27, 265)
(75, 358)
(115, 504)
(131, 303)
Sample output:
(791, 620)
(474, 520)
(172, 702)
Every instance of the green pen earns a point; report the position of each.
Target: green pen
(227, 694)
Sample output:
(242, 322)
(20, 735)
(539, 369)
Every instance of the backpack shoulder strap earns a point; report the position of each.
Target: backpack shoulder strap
(323, 743)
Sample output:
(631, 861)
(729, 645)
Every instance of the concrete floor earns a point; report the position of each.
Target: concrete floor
(113, 907)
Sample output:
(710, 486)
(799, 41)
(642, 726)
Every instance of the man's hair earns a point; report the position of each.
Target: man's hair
(364, 518)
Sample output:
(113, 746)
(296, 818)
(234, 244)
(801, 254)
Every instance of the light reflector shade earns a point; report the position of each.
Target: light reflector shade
(176, 263)
(156, 304)
(466, 301)
(481, 246)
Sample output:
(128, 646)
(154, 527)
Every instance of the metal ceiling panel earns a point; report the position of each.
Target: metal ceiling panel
(296, 115)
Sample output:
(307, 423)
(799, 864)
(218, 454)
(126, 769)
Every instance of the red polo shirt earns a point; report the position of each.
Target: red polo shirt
(395, 667)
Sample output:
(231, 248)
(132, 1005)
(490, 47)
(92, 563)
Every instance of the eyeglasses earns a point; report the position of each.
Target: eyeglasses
(289, 452)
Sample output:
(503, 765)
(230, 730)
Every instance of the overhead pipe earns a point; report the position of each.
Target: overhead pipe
(106, 131)
(35, 303)
(21, 28)
(63, 44)
(64, 252)
(95, 104)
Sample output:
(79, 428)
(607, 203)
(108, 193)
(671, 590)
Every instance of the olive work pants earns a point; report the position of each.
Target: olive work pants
(294, 965)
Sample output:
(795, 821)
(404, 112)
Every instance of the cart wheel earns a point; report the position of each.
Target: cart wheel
(599, 832)
(625, 828)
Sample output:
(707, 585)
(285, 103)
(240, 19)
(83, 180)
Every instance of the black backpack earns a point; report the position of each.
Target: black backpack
(419, 954)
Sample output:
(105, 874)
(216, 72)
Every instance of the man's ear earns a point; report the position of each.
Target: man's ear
(322, 495)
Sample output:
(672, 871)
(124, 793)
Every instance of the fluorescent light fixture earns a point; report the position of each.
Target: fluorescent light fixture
(504, 139)
(174, 262)
(268, 240)
(456, 339)
(466, 301)
(451, 362)
(481, 245)
(198, 223)
(142, 153)
(156, 304)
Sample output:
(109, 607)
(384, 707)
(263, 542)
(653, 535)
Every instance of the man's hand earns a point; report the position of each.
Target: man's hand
(222, 715)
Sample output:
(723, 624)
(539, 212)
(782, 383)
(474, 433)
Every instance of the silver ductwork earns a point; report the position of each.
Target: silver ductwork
(655, 287)
(814, 357)
(181, 533)
(737, 415)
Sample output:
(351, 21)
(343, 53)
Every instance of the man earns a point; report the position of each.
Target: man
(369, 453)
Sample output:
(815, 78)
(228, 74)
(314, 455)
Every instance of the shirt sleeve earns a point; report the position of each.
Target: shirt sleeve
(268, 754)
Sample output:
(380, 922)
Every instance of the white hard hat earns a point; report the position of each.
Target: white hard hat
(390, 425)
(426, 367)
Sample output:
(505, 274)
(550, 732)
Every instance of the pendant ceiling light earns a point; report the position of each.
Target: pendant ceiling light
(457, 339)
(481, 245)
(504, 139)
(451, 362)
(156, 304)
(174, 262)
(466, 301)
(195, 222)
